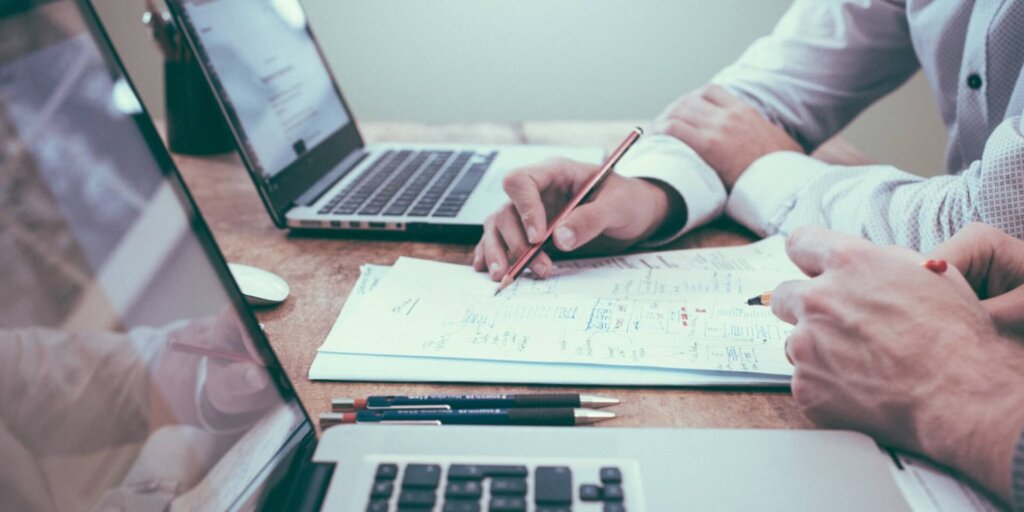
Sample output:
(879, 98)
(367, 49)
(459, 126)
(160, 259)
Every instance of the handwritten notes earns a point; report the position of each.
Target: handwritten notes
(683, 309)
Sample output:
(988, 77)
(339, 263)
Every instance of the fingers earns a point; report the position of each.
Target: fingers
(503, 242)
(718, 96)
(526, 186)
(787, 300)
(1006, 311)
(992, 261)
(495, 252)
(238, 387)
(512, 233)
(815, 249)
(582, 225)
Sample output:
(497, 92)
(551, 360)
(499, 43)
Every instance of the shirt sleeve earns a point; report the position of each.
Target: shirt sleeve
(782, 191)
(666, 159)
(824, 63)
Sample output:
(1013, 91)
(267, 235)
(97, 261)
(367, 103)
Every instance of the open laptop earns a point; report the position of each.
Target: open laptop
(301, 144)
(134, 377)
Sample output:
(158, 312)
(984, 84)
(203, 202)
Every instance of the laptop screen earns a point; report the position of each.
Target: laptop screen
(289, 120)
(132, 377)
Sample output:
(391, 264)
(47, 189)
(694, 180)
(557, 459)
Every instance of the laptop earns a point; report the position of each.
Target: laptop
(134, 377)
(300, 143)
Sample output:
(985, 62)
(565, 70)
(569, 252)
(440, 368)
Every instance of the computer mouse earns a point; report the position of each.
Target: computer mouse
(260, 287)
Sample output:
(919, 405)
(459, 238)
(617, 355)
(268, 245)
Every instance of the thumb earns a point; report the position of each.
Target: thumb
(582, 225)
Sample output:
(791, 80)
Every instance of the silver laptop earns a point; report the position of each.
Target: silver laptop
(301, 144)
(134, 377)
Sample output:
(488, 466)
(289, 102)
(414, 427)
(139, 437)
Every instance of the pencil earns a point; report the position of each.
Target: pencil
(937, 266)
(182, 346)
(590, 187)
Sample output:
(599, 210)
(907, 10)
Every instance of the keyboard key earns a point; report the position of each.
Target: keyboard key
(611, 474)
(421, 476)
(416, 499)
(552, 485)
(513, 486)
(461, 506)
(613, 492)
(507, 505)
(382, 489)
(614, 507)
(377, 506)
(464, 489)
(386, 472)
(478, 471)
(589, 492)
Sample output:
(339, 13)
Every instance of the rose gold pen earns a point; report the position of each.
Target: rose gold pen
(590, 187)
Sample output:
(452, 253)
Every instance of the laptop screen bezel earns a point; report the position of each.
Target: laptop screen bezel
(282, 191)
(304, 431)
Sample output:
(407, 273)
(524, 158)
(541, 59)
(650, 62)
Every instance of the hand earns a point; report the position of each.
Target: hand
(232, 391)
(993, 263)
(726, 132)
(623, 212)
(884, 346)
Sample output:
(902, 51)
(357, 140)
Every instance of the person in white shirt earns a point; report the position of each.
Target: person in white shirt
(738, 146)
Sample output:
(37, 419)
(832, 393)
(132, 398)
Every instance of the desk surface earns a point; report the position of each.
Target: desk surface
(322, 271)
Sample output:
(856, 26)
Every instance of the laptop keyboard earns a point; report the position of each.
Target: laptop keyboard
(414, 183)
(494, 488)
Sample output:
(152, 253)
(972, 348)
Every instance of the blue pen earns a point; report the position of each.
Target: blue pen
(540, 417)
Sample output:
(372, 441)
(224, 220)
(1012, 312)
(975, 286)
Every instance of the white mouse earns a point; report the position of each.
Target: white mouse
(260, 287)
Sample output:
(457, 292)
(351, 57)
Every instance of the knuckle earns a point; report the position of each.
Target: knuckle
(817, 300)
(800, 346)
(845, 254)
(800, 389)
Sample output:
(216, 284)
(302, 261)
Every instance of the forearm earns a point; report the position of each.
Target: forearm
(783, 191)
(822, 65)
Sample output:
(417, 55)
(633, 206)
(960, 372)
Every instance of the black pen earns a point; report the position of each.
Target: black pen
(565, 417)
(472, 401)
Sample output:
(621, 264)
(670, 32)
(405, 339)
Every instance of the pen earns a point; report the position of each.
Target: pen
(182, 346)
(565, 417)
(589, 188)
(937, 266)
(473, 402)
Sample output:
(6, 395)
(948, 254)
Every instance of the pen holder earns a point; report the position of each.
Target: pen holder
(195, 124)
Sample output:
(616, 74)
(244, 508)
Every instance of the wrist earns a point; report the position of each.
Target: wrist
(668, 209)
(977, 431)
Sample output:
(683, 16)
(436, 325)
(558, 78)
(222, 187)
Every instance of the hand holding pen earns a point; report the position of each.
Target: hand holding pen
(623, 212)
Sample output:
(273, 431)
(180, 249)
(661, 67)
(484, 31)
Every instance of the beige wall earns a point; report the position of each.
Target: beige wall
(473, 60)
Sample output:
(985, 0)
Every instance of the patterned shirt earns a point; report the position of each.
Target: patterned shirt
(825, 62)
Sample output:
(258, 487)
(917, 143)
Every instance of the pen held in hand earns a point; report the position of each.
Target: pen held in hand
(189, 348)
(585, 192)
(937, 266)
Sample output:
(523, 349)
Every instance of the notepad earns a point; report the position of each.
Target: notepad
(674, 317)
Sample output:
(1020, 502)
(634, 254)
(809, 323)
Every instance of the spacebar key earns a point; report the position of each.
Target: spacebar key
(552, 485)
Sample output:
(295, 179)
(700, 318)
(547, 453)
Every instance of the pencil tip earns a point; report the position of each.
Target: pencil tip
(505, 281)
(754, 301)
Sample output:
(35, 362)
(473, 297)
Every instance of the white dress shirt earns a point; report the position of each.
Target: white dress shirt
(825, 62)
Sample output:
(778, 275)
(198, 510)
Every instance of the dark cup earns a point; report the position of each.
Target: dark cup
(195, 124)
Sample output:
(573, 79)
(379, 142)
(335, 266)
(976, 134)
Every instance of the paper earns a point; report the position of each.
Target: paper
(765, 255)
(330, 365)
(660, 318)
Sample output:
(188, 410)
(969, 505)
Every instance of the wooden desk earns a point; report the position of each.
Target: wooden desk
(322, 271)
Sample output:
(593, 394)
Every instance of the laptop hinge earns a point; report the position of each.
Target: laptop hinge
(333, 176)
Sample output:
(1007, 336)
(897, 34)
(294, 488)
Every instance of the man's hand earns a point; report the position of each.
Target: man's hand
(993, 262)
(624, 211)
(887, 347)
(726, 132)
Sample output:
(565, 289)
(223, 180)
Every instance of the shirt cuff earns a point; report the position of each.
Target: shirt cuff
(768, 189)
(666, 159)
